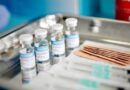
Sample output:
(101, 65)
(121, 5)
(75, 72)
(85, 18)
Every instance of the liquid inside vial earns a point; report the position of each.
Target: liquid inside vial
(57, 43)
(71, 35)
(27, 58)
(42, 50)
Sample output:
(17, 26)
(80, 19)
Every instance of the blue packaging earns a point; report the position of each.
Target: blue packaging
(89, 7)
(107, 8)
(26, 8)
(35, 8)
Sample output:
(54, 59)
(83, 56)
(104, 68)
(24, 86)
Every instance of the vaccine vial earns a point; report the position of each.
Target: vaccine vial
(57, 43)
(8, 43)
(51, 21)
(27, 58)
(71, 35)
(42, 50)
(8, 51)
(2, 47)
(43, 24)
(96, 24)
(14, 40)
(47, 23)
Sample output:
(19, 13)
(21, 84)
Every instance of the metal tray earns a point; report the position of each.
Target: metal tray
(110, 31)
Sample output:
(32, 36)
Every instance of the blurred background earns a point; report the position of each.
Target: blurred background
(20, 11)
(15, 12)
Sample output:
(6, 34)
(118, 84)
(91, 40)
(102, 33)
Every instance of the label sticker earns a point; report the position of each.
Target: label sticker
(72, 41)
(101, 71)
(89, 84)
(42, 53)
(27, 60)
(58, 47)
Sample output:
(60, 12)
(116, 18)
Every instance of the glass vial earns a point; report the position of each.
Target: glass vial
(14, 40)
(2, 47)
(42, 50)
(47, 23)
(27, 58)
(71, 35)
(8, 51)
(57, 43)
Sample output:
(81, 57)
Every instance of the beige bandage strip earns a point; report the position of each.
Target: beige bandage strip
(104, 55)
(125, 57)
(91, 57)
(105, 58)
(122, 53)
(108, 54)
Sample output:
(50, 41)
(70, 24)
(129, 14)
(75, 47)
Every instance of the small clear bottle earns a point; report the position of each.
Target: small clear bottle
(43, 24)
(71, 35)
(8, 51)
(57, 43)
(47, 23)
(95, 25)
(14, 40)
(27, 58)
(11, 43)
(51, 21)
(8, 43)
(2, 47)
(42, 50)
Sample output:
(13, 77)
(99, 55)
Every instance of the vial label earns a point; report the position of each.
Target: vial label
(42, 53)
(72, 41)
(27, 60)
(28, 75)
(58, 47)
(43, 66)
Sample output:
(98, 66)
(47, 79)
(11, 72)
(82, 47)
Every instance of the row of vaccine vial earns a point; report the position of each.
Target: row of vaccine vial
(38, 53)
(34, 54)
(70, 35)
